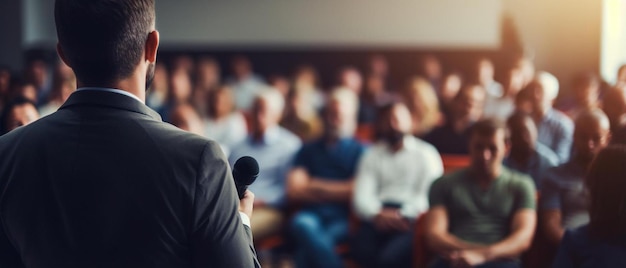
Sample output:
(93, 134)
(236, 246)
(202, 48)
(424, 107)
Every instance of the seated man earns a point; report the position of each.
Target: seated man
(563, 203)
(467, 108)
(274, 148)
(554, 128)
(527, 155)
(485, 214)
(391, 190)
(321, 181)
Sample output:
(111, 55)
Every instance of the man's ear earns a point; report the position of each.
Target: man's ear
(62, 55)
(152, 45)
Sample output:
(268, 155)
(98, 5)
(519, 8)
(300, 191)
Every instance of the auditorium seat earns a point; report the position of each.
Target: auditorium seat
(452, 162)
(421, 254)
(365, 133)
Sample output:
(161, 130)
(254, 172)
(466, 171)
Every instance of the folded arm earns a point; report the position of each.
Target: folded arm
(438, 237)
(304, 188)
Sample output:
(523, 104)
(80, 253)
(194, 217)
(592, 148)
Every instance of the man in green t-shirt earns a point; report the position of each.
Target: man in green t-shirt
(483, 215)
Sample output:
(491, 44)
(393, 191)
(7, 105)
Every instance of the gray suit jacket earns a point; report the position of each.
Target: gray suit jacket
(104, 183)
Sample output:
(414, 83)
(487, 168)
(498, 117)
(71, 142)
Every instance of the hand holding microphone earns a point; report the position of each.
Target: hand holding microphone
(245, 172)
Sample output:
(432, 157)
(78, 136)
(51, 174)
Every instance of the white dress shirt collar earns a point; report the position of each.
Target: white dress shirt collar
(114, 90)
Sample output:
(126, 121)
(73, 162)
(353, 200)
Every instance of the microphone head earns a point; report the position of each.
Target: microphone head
(245, 170)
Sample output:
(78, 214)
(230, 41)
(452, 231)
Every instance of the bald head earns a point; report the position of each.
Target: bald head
(592, 133)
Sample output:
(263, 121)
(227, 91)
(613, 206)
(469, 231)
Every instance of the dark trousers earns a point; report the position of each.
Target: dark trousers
(373, 248)
(441, 263)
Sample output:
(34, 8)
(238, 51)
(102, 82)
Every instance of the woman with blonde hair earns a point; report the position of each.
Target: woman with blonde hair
(421, 99)
(601, 243)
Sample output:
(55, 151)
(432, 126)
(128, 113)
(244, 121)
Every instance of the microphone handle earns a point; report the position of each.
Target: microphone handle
(241, 190)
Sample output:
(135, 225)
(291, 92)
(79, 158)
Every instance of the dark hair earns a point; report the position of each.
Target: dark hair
(103, 40)
(4, 116)
(468, 86)
(614, 106)
(519, 116)
(527, 93)
(382, 117)
(488, 127)
(606, 181)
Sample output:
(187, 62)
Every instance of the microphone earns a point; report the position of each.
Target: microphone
(245, 171)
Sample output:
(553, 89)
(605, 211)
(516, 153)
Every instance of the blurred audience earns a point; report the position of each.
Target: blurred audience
(526, 67)
(502, 107)
(274, 148)
(554, 128)
(306, 80)
(391, 190)
(321, 182)
(585, 91)
(564, 202)
(156, 97)
(180, 90)
(481, 215)
(430, 68)
(207, 78)
(379, 66)
(350, 77)
(280, 83)
(19, 88)
(450, 87)
(185, 117)
(18, 112)
(484, 73)
(244, 83)
(484, 215)
(37, 74)
(452, 137)
(301, 116)
(5, 82)
(63, 84)
(222, 122)
(614, 105)
(526, 155)
(374, 96)
(602, 242)
(421, 99)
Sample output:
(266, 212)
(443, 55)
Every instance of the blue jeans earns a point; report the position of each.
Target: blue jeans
(371, 247)
(316, 232)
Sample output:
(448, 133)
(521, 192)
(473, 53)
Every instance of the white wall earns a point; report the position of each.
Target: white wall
(613, 38)
(392, 23)
(38, 23)
(563, 35)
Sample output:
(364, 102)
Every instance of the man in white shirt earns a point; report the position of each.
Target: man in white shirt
(391, 190)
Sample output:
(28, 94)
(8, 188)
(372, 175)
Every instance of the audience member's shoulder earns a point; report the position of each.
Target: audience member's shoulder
(517, 179)
(452, 177)
(425, 146)
(560, 117)
(287, 137)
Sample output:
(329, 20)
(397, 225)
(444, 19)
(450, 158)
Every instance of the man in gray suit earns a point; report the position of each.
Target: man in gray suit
(103, 182)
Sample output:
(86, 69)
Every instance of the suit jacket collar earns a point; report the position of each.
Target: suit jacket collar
(109, 99)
